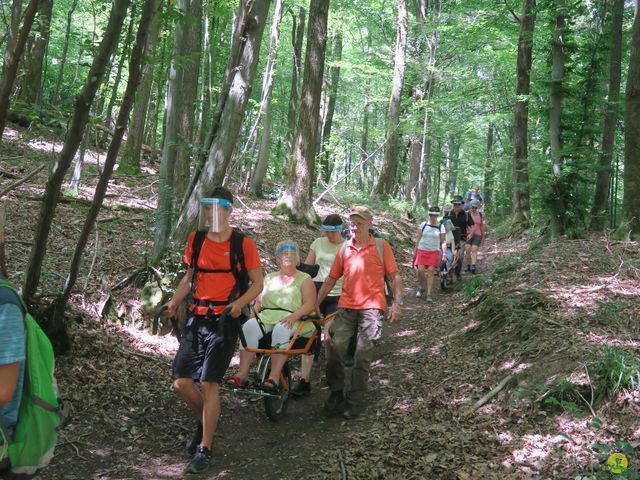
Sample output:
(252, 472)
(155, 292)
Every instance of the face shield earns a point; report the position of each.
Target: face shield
(213, 214)
(288, 253)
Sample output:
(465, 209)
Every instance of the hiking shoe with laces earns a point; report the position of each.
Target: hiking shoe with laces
(193, 442)
(201, 460)
(301, 389)
(419, 292)
(468, 269)
(429, 298)
(334, 405)
(473, 269)
(351, 412)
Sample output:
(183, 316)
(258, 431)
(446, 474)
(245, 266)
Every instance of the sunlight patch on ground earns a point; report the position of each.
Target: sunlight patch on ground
(515, 368)
(405, 333)
(10, 133)
(44, 146)
(377, 364)
(408, 351)
(145, 342)
(436, 350)
(405, 405)
(461, 400)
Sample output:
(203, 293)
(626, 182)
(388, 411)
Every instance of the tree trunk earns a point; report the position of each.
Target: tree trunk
(265, 104)
(179, 112)
(607, 142)
(65, 50)
(11, 63)
(452, 167)
(520, 200)
(229, 124)
(130, 161)
(364, 141)
(557, 200)
(190, 68)
(631, 199)
(489, 167)
(135, 73)
(388, 172)
(14, 28)
(295, 204)
(297, 36)
(126, 47)
(332, 91)
(83, 103)
(34, 59)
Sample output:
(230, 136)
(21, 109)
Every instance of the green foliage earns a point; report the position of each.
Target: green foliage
(473, 285)
(618, 369)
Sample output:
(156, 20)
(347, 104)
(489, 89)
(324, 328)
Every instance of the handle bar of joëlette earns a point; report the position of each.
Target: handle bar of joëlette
(317, 321)
(156, 321)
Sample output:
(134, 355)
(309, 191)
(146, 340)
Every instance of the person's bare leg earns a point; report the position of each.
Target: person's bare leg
(190, 394)
(305, 370)
(246, 360)
(474, 255)
(430, 274)
(210, 411)
(422, 280)
(277, 362)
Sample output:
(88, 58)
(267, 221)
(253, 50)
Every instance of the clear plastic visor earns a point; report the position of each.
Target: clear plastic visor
(213, 214)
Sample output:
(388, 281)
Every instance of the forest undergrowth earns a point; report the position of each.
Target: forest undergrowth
(529, 369)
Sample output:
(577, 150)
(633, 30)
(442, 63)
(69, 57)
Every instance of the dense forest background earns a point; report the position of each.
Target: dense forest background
(400, 104)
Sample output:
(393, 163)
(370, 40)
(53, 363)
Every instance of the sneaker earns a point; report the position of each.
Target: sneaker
(419, 292)
(429, 298)
(473, 269)
(468, 269)
(201, 460)
(334, 405)
(301, 389)
(352, 412)
(193, 442)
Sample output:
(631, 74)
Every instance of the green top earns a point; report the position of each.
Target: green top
(279, 300)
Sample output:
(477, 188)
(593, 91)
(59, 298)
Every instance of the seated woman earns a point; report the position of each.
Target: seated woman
(288, 294)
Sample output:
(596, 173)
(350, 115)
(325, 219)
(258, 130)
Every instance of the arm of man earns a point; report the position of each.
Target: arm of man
(396, 283)
(257, 283)
(327, 286)
(311, 258)
(308, 304)
(182, 290)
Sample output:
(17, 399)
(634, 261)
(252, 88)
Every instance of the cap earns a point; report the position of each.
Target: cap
(457, 200)
(361, 211)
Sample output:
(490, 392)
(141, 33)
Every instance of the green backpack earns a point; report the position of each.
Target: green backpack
(40, 412)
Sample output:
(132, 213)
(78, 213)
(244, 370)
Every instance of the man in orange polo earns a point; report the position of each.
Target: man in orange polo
(360, 309)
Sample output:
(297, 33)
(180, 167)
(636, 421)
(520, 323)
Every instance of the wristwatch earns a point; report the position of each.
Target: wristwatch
(399, 302)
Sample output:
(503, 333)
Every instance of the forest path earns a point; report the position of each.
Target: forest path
(129, 425)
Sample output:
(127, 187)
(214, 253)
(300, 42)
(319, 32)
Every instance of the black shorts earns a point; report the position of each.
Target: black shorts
(330, 303)
(203, 355)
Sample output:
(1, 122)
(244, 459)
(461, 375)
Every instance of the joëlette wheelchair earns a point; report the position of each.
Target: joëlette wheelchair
(275, 403)
(445, 270)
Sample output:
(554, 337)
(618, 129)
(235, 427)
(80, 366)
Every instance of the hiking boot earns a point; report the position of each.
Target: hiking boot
(301, 389)
(334, 405)
(473, 269)
(468, 269)
(419, 292)
(352, 412)
(429, 298)
(193, 442)
(201, 460)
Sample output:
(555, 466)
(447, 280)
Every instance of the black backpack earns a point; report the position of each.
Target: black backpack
(237, 264)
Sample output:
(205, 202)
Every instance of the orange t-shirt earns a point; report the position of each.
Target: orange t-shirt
(363, 282)
(215, 256)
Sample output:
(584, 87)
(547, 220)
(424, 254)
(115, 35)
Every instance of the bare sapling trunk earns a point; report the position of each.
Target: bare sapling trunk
(83, 103)
(135, 73)
(611, 109)
(11, 63)
(334, 81)
(228, 126)
(65, 51)
(295, 204)
(265, 105)
(130, 161)
(520, 199)
(297, 36)
(386, 180)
